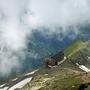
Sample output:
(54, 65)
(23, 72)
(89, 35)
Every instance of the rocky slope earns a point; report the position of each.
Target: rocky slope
(72, 74)
(67, 76)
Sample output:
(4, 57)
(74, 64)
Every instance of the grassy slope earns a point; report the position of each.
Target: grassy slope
(57, 79)
(74, 48)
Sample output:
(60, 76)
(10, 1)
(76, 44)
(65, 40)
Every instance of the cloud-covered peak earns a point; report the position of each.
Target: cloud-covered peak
(18, 19)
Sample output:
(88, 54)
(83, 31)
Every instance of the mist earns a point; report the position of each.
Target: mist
(18, 19)
(61, 12)
(12, 36)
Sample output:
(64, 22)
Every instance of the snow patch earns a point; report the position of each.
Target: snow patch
(31, 72)
(2, 85)
(21, 84)
(84, 68)
(5, 88)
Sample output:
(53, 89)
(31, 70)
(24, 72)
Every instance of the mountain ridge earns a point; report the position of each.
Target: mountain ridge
(67, 76)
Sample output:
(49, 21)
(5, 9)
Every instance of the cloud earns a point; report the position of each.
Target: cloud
(61, 12)
(12, 35)
(58, 13)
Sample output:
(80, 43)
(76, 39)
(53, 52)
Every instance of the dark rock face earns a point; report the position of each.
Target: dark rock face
(49, 62)
(81, 58)
(59, 56)
(53, 60)
(83, 86)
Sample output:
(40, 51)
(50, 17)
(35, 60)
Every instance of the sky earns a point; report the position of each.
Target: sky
(18, 18)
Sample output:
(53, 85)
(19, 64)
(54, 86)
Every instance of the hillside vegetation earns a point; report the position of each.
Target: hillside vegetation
(66, 76)
(57, 79)
(74, 48)
(61, 78)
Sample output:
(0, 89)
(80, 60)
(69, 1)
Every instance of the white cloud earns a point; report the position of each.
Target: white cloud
(12, 36)
(61, 12)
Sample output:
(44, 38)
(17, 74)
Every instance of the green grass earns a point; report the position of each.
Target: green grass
(59, 79)
(66, 83)
(74, 48)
